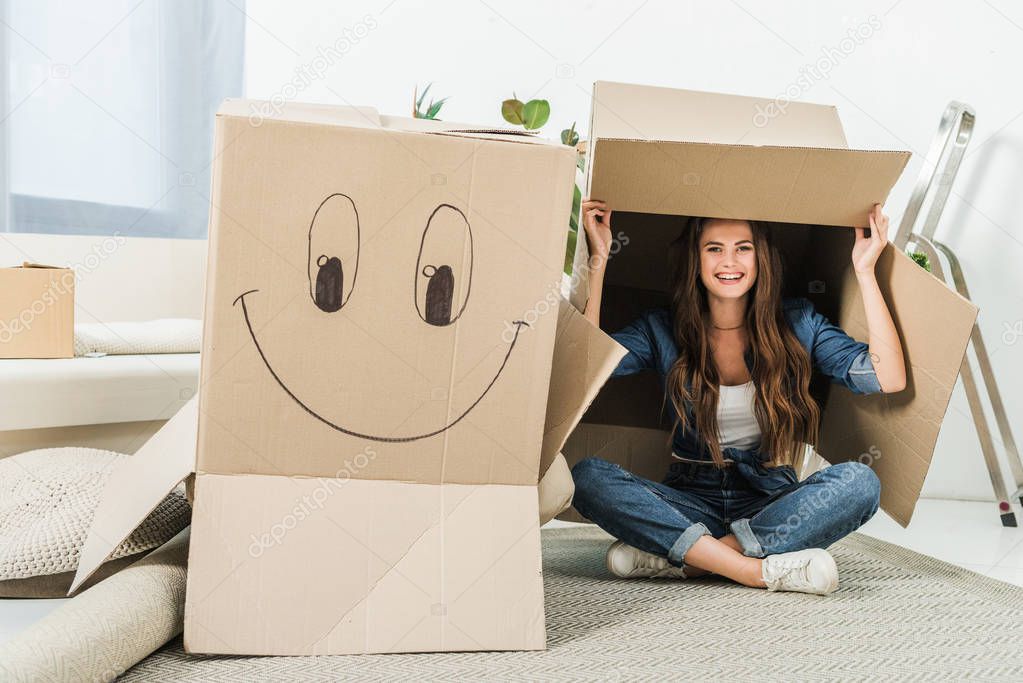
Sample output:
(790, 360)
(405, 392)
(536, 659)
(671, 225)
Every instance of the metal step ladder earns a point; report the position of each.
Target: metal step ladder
(932, 189)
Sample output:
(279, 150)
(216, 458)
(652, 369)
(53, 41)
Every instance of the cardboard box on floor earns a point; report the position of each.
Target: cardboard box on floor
(658, 154)
(373, 416)
(37, 312)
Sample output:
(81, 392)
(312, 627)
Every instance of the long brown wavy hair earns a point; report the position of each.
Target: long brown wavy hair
(786, 411)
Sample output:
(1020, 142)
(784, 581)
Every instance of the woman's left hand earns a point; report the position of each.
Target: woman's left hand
(866, 250)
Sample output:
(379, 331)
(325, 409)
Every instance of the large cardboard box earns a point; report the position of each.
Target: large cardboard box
(658, 154)
(37, 312)
(376, 398)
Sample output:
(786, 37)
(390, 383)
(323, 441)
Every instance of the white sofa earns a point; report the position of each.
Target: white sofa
(113, 402)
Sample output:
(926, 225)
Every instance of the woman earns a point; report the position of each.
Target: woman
(735, 360)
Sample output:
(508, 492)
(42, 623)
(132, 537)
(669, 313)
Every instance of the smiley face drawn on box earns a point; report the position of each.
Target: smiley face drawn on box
(441, 294)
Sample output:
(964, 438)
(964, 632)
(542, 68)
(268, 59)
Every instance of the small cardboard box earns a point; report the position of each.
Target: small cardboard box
(657, 154)
(37, 312)
(387, 365)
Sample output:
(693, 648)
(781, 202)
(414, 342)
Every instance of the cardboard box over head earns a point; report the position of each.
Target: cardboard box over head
(658, 156)
(382, 319)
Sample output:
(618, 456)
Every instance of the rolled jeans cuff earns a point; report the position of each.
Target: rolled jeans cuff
(685, 542)
(747, 539)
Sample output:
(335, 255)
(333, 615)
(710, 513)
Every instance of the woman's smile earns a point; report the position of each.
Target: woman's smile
(730, 278)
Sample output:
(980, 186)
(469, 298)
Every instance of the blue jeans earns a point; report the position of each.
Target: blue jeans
(767, 509)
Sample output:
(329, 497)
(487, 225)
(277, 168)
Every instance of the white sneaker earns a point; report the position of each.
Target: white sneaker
(805, 571)
(632, 563)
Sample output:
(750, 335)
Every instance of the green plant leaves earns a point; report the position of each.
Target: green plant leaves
(573, 237)
(535, 114)
(422, 97)
(511, 111)
(921, 260)
(569, 136)
(432, 109)
(531, 115)
(573, 229)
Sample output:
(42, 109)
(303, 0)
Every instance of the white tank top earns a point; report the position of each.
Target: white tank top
(737, 423)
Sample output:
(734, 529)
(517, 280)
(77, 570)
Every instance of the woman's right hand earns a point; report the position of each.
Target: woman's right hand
(597, 224)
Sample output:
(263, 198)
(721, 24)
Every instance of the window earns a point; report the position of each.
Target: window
(108, 113)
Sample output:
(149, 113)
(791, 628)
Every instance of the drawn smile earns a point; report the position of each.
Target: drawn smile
(351, 432)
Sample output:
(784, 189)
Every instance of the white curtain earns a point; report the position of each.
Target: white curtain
(107, 113)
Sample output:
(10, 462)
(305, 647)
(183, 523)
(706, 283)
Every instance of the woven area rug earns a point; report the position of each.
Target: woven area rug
(896, 615)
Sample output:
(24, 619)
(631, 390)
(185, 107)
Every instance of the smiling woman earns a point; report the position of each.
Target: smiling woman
(728, 326)
(727, 252)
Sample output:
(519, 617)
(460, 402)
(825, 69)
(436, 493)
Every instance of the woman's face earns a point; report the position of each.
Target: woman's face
(728, 262)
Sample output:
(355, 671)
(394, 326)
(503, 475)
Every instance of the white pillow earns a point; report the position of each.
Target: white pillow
(47, 500)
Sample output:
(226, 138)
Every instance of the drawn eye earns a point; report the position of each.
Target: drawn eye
(444, 267)
(333, 259)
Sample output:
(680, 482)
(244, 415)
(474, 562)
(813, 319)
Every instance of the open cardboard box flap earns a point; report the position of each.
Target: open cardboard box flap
(658, 155)
(137, 486)
(681, 152)
(584, 358)
(627, 111)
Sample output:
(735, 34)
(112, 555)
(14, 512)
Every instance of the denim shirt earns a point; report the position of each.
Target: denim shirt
(651, 346)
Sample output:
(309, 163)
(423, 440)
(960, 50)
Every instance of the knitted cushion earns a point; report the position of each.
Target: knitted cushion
(47, 500)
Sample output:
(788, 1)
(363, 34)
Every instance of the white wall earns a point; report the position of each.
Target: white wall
(891, 85)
